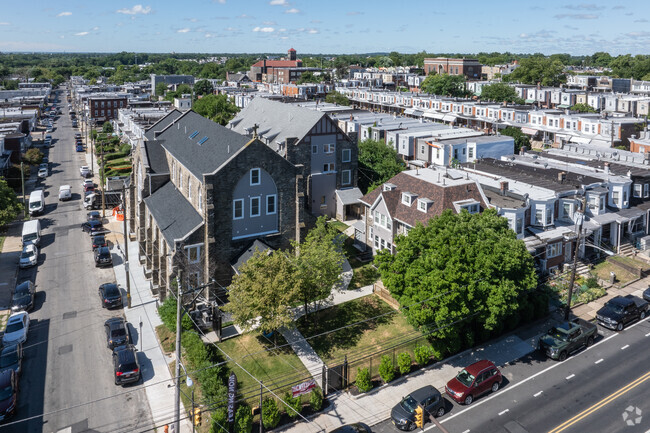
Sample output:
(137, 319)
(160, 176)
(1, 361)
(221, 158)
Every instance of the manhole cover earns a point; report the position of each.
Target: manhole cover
(69, 315)
(65, 349)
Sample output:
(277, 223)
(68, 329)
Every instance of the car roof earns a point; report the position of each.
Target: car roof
(114, 321)
(27, 283)
(424, 392)
(125, 353)
(17, 317)
(478, 366)
(102, 250)
(108, 285)
(9, 348)
(621, 300)
(5, 378)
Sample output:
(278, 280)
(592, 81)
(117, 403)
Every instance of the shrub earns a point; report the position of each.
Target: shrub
(364, 384)
(294, 403)
(195, 352)
(316, 399)
(386, 369)
(33, 156)
(219, 421)
(404, 362)
(167, 312)
(592, 282)
(423, 354)
(243, 419)
(270, 413)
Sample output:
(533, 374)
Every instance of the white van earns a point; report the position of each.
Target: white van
(32, 232)
(36, 202)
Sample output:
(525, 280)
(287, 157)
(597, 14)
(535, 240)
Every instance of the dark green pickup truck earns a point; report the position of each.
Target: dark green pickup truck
(567, 337)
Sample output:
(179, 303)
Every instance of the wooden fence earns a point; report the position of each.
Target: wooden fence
(379, 290)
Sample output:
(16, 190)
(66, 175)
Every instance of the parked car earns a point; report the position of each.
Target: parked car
(621, 310)
(77, 135)
(117, 333)
(8, 394)
(567, 337)
(125, 365)
(98, 242)
(403, 414)
(29, 256)
(84, 171)
(79, 148)
(93, 216)
(43, 164)
(22, 298)
(93, 227)
(42, 173)
(646, 294)
(89, 188)
(103, 257)
(110, 295)
(65, 192)
(16, 329)
(473, 381)
(11, 358)
(352, 428)
(87, 182)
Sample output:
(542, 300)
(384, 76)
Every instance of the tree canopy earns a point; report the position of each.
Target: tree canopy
(378, 162)
(521, 139)
(337, 98)
(444, 85)
(539, 69)
(218, 108)
(464, 277)
(582, 108)
(9, 204)
(203, 87)
(500, 92)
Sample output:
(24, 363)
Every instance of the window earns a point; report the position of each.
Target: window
(96, 113)
(199, 194)
(376, 214)
(314, 148)
(189, 188)
(114, 103)
(328, 167)
(549, 217)
(101, 112)
(328, 148)
(421, 149)
(615, 197)
(422, 206)
(566, 210)
(255, 207)
(376, 242)
(180, 179)
(346, 156)
(255, 176)
(102, 104)
(270, 204)
(471, 152)
(346, 177)
(637, 190)
(193, 253)
(539, 215)
(406, 199)
(520, 226)
(646, 190)
(553, 250)
(383, 243)
(323, 201)
(238, 209)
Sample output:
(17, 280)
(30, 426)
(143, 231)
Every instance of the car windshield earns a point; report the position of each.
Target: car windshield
(616, 308)
(8, 358)
(19, 296)
(14, 327)
(6, 392)
(119, 332)
(465, 378)
(26, 254)
(409, 404)
(556, 333)
(29, 237)
(35, 205)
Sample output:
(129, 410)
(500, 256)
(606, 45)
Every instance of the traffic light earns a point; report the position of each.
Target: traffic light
(197, 416)
(419, 417)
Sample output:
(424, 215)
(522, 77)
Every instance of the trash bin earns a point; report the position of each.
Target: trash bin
(612, 277)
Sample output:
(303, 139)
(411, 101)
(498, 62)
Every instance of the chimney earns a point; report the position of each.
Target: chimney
(606, 167)
(504, 187)
(561, 176)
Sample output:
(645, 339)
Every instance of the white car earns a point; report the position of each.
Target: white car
(65, 192)
(16, 330)
(42, 173)
(87, 182)
(29, 256)
(84, 170)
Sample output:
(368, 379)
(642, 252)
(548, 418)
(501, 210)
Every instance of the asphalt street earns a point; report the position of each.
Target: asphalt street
(67, 382)
(600, 389)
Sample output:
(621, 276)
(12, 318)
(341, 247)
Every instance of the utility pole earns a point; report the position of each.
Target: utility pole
(579, 218)
(126, 249)
(179, 300)
(102, 179)
(22, 183)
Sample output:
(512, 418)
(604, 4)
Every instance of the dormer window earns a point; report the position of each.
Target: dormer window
(408, 198)
(424, 204)
(389, 187)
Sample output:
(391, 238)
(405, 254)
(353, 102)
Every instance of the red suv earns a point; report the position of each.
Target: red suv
(474, 381)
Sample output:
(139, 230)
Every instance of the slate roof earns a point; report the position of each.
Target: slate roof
(162, 124)
(248, 253)
(175, 216)
(349, 195)
(156, 157)
(443, 197)
(200, 144)
(275, 119)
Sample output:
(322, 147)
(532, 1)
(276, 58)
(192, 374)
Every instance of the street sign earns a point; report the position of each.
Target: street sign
(303, 388)
(232, 391)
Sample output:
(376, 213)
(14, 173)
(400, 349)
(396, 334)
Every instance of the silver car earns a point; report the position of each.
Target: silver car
(29, 256)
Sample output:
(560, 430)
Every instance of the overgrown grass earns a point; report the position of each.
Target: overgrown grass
(166, 337)
(603, 269)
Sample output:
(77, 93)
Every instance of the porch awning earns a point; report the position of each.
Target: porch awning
(433, 115)
(349, 195)
(580, 140)
(529, 131)
(450, 118)
(413, 112)
(530, 101)
(563, 106)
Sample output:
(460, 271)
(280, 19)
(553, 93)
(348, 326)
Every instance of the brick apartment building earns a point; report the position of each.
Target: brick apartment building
(285, 71)
(471, 68)
(105, 108)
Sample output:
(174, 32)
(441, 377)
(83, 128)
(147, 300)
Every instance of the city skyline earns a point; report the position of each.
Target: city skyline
(273, 26)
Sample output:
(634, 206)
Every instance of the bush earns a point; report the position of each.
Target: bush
(243, 419)
(270, 413)
(195, 352)
(316, 399)
(219, 421)
(404, 362)
(423, 354)
(107, 127)
(294, 403)
(386, 369)
(33, 156)
(592, 282)
(167, 312)
(364, 384)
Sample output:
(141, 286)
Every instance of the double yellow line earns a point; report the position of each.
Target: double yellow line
(601, 403)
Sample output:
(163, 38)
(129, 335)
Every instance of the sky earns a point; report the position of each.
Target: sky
(326, 26)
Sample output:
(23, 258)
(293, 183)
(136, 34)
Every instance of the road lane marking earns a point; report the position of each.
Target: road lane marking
(570, 376)
(538, 394)
(625, 347)
(599, 361)
(613, 396)
(466, 431)
(648, 334)
(504, 411)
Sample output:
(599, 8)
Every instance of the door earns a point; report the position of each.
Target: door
(482, 384)
(431, 405)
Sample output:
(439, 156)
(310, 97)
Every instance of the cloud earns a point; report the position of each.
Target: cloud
(264, 29)
(618, 7)
(350, 14)
(584, 7)
(577, 16)
(81, 34)
(95, 29)
(279, 3)
(312, 31)
(5, 23)
(222, 2)
(642, 20)
(64, 14)
(137, 9)
(282, 30)
(185, 30)
(292, 11)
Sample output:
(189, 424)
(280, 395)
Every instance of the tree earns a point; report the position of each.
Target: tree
(377, 163)
(161, 88)
(203, 87)
(270, 413)
(107, 128)
(218, 108)
(500, 92)
(521, 139)
(444, 85)
(33, 156)
(582, 108)
(263, 289)
(384, 62)
(463, 277)
(308, 77)
(538, 69)
(9, 204)
(337, 98)
(318, 264)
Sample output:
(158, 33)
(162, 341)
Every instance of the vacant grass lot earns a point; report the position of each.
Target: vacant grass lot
(603, 269)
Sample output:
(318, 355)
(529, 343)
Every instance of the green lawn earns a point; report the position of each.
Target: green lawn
(278, 369)
(603, 269)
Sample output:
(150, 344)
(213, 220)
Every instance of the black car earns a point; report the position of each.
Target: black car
(116, 332)
(99, 241)
(352, 428)
(110, 295)
(403, 414)
(11, 358)
(8, 394)
(94, 216)
(646, 294)
(125, 365)
(93, 227)
(103, 257)
(23, 297)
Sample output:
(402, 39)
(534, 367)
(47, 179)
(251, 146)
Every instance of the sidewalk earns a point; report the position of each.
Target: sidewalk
(9, 263)
(144, 310)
